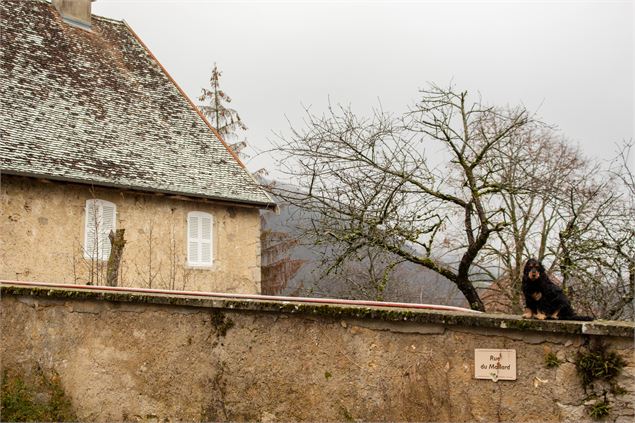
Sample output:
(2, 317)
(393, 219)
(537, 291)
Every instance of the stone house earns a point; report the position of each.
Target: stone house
(96, 136)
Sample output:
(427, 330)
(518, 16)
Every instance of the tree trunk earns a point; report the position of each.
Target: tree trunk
(468, 290)
(462, 280)
(116, 252)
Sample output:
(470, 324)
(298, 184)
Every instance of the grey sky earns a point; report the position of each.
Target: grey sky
(570, 61)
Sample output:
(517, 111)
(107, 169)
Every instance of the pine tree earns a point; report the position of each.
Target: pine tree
(225, 119)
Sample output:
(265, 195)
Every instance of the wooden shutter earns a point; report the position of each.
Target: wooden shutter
(107, 224)
(90, 230)
(193, 246)
(199, 239)
(101, 217)
(108, 217)
(206, 240)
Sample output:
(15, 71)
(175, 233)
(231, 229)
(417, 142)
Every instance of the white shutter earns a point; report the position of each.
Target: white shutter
(206, 240)
(108, 216)
(101, 217)
(199, 239)
(193, 237)
(90, 230)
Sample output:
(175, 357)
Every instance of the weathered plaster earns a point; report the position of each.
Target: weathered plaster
(42, 227)
(154, 357)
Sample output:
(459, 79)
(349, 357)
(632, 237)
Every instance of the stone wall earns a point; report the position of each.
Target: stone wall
(42, 227)
(142, 357)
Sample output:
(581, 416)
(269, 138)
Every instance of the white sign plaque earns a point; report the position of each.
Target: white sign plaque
(495, 364)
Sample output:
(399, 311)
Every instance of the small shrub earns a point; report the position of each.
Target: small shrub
(598, 364)
(600, 410)
(551, 360)
(618, 390)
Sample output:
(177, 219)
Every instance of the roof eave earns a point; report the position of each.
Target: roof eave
(225, 200)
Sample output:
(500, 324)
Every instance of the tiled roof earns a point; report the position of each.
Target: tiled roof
(96, 107)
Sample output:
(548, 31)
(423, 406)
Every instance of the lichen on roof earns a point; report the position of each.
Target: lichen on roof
(96, 107)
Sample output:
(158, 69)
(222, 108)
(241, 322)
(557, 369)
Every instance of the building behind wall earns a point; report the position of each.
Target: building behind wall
(96, 136)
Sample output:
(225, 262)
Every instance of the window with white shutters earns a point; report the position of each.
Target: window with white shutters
(101, 218)
(199, 239)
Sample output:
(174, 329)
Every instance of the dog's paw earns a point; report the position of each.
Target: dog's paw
(528, 314)
(541, 316)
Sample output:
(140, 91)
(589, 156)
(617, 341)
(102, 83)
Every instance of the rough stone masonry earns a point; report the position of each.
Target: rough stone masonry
(137, 357)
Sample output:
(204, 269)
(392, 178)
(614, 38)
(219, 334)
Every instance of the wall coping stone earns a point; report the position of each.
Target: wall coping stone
(334, 311)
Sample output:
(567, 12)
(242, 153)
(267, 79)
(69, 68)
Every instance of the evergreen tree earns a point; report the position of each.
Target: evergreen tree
(225, 119)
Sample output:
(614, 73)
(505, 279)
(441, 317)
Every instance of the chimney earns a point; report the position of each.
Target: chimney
(75, 12)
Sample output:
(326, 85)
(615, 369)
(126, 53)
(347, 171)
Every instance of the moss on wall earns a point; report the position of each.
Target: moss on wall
(34, 397)
(335, 312)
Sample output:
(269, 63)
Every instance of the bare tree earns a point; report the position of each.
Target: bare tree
(623, 243)
(508, 188)
(176, 270)
(531, 166)
(371, 183)
(572, 214)
(622, 167)
(596, 248)
(148, 269)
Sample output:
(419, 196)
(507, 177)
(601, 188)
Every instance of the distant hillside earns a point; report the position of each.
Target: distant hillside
(292, 266)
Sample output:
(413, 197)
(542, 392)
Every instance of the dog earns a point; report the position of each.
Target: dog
(543, 298)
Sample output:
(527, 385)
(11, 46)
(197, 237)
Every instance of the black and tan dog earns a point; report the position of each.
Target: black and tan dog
(543, 298)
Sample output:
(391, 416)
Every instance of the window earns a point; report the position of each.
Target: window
(100, 220)
(199, 239)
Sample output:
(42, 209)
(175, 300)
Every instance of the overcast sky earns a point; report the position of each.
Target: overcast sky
(569, 61)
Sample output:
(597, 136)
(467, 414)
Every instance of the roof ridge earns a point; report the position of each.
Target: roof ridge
(111, 20)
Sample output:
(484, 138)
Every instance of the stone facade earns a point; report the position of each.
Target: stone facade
(125, 357)
(42, 227)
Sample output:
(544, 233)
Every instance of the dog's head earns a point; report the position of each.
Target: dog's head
(533, 270)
